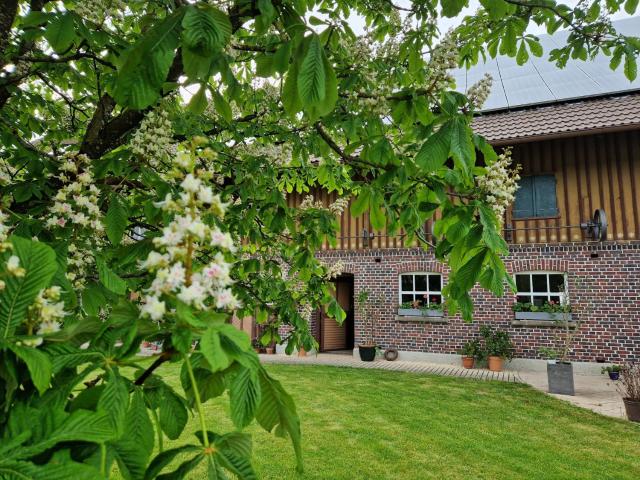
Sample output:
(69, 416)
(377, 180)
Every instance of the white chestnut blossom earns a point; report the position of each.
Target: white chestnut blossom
(13, 267)
(498, 186)
(153, 139)
(75, 214)
(190, 236)
(479, 91)
(99, 11)
(47, 312)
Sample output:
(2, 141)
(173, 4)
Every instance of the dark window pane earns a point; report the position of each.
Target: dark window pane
(523, 282)
(554, 299)
(435, 299)
(539, 300)
(421, 283)
(523, 299)
(407, 283)
(435, 283)
(539, 283)
(556, 283)
(407, 298)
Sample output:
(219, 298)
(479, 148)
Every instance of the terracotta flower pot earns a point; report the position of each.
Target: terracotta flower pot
(271, 350)
(302, 352)
(468, 362)
(633, 409)
(496, 364)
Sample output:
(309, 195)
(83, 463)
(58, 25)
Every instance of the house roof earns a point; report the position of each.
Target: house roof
(559, 120)
(540, 81)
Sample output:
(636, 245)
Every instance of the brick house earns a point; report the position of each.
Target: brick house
(576, 134)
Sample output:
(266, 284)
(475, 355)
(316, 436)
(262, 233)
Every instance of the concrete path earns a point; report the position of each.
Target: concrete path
(595, 392)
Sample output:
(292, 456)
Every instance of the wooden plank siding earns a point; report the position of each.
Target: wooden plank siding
(596, 171)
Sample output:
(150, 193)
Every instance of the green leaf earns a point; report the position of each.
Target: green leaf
(114, 400)
(630, 7)
(38, 364)
(39, 262)
(376, 213)
(206, 29)
(630, 67)
(469, 272)
(434, 152)
(522, 56)
(361, 203)
(60, 33)
(535, 47)
(211, 348)
(147, 63)
(461, 145)
(244, 394)
(222, 106)
(451, 8)
(165, 458)
(173, 414)
(116, 220)
(277, 413)
(311, 79)
(199, 101)
(133, 449)
(281, 58)
(109, 278)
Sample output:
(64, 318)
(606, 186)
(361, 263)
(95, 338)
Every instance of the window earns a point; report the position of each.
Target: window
(536, 197)
(539, 288)
(425, 288)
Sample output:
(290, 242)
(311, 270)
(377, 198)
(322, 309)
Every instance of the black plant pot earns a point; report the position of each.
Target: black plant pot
(367, 353)
(614, 375)
(560, 377)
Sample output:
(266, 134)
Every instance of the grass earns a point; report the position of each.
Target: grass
(368, 424)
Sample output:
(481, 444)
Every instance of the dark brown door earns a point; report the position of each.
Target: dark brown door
(332, 335)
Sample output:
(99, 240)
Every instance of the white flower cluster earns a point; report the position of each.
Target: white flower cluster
(191, 234)
(309, 202)
(334, 270)
(7, 173)
(339, 205)
(306, 310)
(276, 154)
(443, 59)
(76, 208)
(499, 184)
(4, 232)
(98, 11)
(47, 311)
(153, 139)
(479, 92)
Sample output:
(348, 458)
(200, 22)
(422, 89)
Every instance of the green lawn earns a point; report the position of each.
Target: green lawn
(367, 424)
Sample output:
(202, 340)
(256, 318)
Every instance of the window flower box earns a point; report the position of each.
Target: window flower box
(547, 316)
(418, 312)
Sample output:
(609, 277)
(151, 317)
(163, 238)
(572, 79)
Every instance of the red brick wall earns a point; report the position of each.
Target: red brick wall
(608, 285)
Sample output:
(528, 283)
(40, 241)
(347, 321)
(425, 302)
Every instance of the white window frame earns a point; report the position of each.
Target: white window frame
(564, 295)
(420, 292)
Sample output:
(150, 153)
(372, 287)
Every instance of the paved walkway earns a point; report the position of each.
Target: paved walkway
(595, 392)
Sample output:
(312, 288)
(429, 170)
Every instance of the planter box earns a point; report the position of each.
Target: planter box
(416, 312)
(560, 377)
(550, 317)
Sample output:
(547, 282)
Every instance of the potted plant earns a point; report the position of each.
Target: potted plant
(613, 371)
(257, 346)
(368, 347)
(497, 346)
(629, 389)
(559, 368)
(421, 308)
(270, 337)
(469, 352)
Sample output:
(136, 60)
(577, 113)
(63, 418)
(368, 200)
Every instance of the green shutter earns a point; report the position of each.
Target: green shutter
(545, 196)
(524, 204)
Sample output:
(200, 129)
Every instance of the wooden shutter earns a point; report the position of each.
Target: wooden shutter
(523, 206)
(545, 196)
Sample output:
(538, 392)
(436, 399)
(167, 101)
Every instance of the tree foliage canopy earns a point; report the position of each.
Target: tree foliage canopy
(147, 151)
